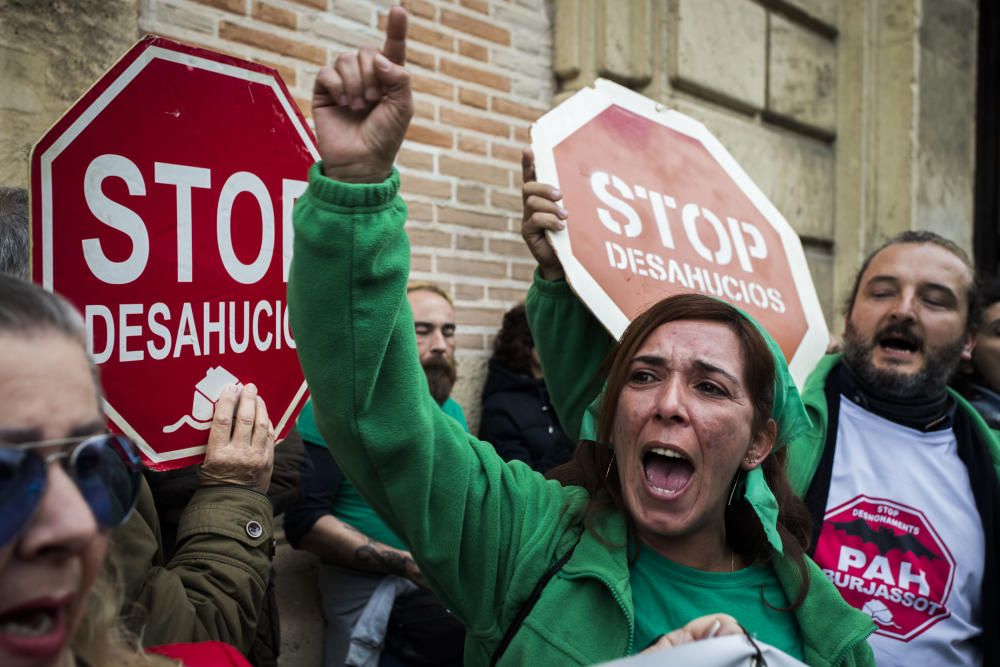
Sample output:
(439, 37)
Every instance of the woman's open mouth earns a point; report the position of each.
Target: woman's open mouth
(667, 471)
(35, 630)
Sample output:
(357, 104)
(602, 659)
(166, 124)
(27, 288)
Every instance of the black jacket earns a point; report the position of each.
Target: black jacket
(519, 420)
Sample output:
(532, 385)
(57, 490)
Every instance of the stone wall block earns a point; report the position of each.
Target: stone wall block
(802, 76)
(823, 12)
(720, 48)
(566, 59)
(622, 44)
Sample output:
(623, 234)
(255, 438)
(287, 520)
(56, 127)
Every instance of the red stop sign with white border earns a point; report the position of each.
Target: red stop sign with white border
(161, 208)
(657, 206)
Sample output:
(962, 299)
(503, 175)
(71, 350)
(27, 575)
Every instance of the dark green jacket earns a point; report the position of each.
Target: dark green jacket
(483, 531)
(213, 586)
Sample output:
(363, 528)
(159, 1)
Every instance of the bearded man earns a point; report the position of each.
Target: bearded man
(899, 472)
(434, 324)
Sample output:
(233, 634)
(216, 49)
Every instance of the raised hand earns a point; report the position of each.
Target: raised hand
(361, 108)
(541, 212)
(240, 447)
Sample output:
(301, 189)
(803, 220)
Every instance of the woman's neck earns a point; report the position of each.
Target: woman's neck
(706, 550)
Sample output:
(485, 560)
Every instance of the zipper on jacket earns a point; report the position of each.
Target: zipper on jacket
(621, 605)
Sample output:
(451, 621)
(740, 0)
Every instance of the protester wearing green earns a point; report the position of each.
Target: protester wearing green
(483, 531)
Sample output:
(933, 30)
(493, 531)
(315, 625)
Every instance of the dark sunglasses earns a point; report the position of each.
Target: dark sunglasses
(106, 469)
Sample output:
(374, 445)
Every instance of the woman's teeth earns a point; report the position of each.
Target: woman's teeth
(30, 624)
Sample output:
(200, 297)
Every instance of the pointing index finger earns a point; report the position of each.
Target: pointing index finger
(395, 36)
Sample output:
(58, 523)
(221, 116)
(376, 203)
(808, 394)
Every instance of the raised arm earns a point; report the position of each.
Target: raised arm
(571, 343)
(481, 531)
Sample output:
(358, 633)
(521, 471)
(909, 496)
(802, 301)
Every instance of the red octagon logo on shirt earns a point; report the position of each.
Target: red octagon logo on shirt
(886, 559)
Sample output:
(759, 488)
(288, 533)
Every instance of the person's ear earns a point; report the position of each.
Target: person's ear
(761, 446)
(970, 345)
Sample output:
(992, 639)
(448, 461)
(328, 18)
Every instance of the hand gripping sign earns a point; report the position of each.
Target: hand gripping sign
(658, 207)
(161, 207)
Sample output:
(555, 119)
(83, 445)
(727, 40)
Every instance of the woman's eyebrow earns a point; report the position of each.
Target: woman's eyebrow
(17, 436)
(707, 367)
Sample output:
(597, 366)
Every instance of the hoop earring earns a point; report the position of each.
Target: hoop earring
(736, 482)
(610, 463)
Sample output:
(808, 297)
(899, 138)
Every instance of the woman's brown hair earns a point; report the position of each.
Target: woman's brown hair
(592, 465)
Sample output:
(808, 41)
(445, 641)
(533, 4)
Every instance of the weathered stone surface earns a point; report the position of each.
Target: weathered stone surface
(721, 48)
(51, 52)
(802, 75)
(622, 45)
(820, 263)
(296, 588)
(824, 11)
(471, 378)
(796, 174)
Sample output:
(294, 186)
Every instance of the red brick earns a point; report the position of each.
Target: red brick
(471, 194)
(480, 6)
(470, 50)
(271, 42)
(420, 263)
(483, 317)
(522, 135)
(473, 171)
(419, 211)
(318, 4)
(508, 108)
(475, 75)
(429, 36)
(459, 216)
(480, 268)
(419, 8)
(419, 57)
(451, 117)
(429, 237)
(423, 134)
(276, 15)
(473, 98)
(505, 201)
(515, 249)
(469, 341)
(235, 6)
(474, 26)
(415, 159)
(429, 187)
(470, 292)
(424, 84)
(473, 145)
(506, 153)
(466, 242)
(287, 73)
(424, 109)
(508, 294)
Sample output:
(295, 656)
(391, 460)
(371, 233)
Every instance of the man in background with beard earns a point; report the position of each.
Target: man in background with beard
(367, 572)
(900, 473)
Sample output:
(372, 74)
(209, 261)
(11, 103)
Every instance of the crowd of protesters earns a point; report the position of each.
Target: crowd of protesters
(622, 497)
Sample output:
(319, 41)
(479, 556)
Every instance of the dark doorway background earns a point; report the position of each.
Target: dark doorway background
(986, 234)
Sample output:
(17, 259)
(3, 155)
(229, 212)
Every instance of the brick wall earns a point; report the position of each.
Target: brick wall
(481, 71)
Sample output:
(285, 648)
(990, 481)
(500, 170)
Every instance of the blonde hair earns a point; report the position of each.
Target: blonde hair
(432, 288)
(102, 640)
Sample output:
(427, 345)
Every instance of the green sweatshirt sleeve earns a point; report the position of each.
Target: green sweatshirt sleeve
(482, 531)
(571, 345)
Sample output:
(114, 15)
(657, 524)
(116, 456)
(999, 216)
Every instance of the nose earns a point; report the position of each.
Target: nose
(439, 344)
(63, 523)
(670, 403)
(903, 306)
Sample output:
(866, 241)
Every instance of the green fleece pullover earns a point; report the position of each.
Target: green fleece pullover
(483, 531)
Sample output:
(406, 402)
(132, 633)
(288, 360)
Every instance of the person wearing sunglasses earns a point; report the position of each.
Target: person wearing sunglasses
(65, 484)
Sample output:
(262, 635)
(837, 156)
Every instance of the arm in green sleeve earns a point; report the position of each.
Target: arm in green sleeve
(481, 531)
(571, 344)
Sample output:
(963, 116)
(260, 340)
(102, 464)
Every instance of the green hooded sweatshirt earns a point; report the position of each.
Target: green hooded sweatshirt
(483, 531)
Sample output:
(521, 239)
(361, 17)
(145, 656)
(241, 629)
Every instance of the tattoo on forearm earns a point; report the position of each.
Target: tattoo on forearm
(391, 561)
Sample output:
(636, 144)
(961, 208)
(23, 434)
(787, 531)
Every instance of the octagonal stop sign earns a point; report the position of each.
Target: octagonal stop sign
(658, 207)
(161, 208)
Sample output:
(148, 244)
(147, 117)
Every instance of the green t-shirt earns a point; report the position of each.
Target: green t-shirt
(348, 505)
(667, 595)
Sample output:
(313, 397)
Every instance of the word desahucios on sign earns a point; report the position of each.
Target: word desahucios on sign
(657, 207)
(161, 207)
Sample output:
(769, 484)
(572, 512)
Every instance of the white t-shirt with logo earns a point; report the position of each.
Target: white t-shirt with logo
(903, 541)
